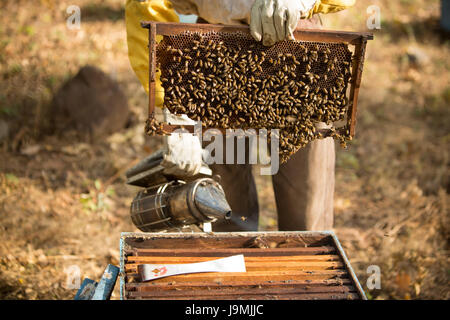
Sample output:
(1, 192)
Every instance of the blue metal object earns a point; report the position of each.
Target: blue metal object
(106, 283)
(445, 15)
(86, 290)
(122, 265)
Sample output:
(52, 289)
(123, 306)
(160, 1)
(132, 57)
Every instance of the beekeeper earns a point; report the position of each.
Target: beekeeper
(304, 186)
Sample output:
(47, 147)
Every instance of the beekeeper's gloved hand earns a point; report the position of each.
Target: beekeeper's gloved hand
(183, 152)
(275, 20)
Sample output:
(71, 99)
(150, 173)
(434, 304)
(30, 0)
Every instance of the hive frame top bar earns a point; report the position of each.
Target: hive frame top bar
(171, 28)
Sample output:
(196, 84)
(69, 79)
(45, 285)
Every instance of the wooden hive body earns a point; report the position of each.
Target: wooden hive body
(280, 265)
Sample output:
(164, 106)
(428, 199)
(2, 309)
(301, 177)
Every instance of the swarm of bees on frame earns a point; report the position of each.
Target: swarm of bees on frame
(230, 81)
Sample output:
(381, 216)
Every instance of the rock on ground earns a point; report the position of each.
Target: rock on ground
(4, 130)
(91, 103)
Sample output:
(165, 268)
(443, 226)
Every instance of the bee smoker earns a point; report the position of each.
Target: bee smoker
(173, 203)
(176, 204)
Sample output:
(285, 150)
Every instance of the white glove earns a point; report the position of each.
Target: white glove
(275, 20)
(183, 152)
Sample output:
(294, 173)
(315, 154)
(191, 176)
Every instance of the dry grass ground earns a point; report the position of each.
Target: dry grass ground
(64, 202)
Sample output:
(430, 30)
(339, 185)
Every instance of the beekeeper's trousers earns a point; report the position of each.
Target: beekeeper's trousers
(303, 188)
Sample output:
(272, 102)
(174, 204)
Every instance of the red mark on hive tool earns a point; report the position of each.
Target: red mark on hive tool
(159, 271)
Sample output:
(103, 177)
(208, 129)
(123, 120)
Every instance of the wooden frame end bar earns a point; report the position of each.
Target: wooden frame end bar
(152, 67)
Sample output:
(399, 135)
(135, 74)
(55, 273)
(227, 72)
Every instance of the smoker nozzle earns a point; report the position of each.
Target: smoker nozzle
(210, 201)
(177, 204)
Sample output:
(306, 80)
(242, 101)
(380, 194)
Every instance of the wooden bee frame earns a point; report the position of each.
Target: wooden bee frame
(357, 39)
(305, 265)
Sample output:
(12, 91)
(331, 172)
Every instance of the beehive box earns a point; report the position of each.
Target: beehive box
(280, 265)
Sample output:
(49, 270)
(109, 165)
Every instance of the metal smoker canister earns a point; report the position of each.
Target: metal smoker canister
(177, 204)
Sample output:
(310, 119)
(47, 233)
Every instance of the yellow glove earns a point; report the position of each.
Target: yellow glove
(137, 37)
(330, 6)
